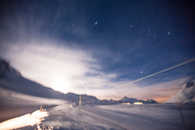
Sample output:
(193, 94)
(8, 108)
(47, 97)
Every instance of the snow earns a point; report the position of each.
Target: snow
(25, 120)
(120, 117)
(100, 117)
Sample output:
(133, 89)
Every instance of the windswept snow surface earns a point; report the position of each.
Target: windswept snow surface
(120, 117)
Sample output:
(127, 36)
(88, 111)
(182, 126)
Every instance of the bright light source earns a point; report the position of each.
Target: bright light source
(138, 103)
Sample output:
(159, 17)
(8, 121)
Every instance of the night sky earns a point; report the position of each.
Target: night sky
(99, 47)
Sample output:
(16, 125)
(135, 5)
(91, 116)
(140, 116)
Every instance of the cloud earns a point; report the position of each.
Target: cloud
(62, 68)
(72, 69)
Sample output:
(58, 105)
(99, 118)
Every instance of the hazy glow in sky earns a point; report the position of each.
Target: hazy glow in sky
(66, 69)
(58, 67)
(62, 68)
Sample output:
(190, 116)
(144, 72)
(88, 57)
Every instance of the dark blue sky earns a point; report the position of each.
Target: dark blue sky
(130, 38)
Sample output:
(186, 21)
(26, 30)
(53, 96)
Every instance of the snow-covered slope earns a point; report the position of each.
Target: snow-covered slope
(186, 94)
(7, 71)
(19, 95)
(11, 79)
(118, 117)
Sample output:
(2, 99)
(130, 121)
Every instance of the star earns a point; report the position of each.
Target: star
(141, 72)
(96, 22)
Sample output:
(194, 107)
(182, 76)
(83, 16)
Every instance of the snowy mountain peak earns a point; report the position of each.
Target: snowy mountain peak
(186, 94)
(6, 70)
(189, 84)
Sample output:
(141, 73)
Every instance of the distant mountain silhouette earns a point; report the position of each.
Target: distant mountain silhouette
(11, 79)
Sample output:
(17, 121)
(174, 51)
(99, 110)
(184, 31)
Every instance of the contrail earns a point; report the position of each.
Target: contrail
(165, 70)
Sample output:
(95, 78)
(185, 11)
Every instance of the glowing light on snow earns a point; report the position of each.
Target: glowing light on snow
(26, 120)
(138, 103)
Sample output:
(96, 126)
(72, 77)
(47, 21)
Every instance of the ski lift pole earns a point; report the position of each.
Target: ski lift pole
(80, 100)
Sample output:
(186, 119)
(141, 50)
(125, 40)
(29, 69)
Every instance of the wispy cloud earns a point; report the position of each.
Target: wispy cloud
(61, 67)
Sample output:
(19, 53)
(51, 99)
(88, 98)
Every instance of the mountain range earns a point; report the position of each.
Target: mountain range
(12, 80)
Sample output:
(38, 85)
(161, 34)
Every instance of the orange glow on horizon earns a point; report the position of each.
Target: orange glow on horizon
(161, 99)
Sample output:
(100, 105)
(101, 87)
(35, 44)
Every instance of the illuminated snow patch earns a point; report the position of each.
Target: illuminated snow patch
(138, 103)
(26, 120)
